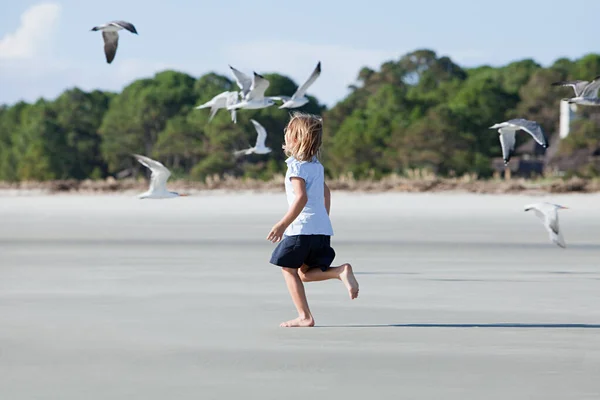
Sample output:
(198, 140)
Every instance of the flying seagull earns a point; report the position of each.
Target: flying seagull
(299, 99)
(507, 135)
(548, 213)
(158, 179)
(256, 96)
(222, 100)
(261, 137)
(110, 34)
(586, 93)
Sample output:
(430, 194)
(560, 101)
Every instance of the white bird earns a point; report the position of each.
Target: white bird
(548, 213)
(261, 137)
(158, 180)
(507, 135)
(256, 96)
(299, 99)
(110, 34)
(586, 93)
(222, 100)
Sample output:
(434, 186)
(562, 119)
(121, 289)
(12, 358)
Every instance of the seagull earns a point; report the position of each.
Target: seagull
(507, 135)
(256, 96)
(548, 213)
(222, 100)
(586, 93)
(110, 34)
(158, 180)
(299, 99)
(243, 81)
(260, 147)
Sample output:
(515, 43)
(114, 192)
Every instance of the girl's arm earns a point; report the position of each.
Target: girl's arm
(299, 185)
(327, 198)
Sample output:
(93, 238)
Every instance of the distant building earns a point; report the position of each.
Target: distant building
(567, 114)
(558, 164)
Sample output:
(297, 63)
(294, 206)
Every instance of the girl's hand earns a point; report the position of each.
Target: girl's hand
(295, 209)
(276, 233)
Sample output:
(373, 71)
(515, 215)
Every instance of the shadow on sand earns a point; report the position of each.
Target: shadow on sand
(384, 273)
(492, 325)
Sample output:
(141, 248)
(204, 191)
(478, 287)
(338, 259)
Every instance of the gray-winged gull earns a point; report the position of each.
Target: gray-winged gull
(586, 93)
(507, 132)
(110, 34)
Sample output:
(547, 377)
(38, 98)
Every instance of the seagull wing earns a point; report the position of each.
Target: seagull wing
(591, 90)
(539, 209)
(213, 111)
(241, 152)
(262, 134)
(111, 42)
(311, 79)
(577, 86)
(533, 128)
(217, 102)
(551, 223)
(231, 100)
(507, 141)
(243, 81)
(125, 25)
(258, 88)
(220, 102)
(160, 173)
(280, 98)
(558, 239)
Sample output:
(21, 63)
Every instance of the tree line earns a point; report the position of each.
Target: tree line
(421, 111)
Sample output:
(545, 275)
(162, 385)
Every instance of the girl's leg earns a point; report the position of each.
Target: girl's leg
(343, 273)
(296, 289)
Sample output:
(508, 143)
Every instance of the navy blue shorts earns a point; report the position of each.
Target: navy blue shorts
(312, 250)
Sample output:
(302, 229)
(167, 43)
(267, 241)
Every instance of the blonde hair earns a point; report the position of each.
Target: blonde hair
(304, 136)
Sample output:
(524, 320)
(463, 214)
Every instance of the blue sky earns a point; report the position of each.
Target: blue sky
(47, 46)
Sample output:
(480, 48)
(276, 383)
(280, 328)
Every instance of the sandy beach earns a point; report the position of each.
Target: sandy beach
(462, 296)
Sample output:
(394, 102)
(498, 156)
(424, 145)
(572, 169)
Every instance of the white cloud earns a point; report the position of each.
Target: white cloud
(340, 64)
(33, 35)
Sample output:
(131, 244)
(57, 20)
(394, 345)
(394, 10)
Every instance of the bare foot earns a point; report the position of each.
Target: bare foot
(347, 276)
(298, 322)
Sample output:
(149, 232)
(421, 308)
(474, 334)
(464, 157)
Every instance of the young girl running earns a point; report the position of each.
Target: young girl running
(304, 251)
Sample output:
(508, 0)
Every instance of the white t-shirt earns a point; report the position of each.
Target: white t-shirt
(313, 220)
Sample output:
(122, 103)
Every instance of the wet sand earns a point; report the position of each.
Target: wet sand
(462, 297)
